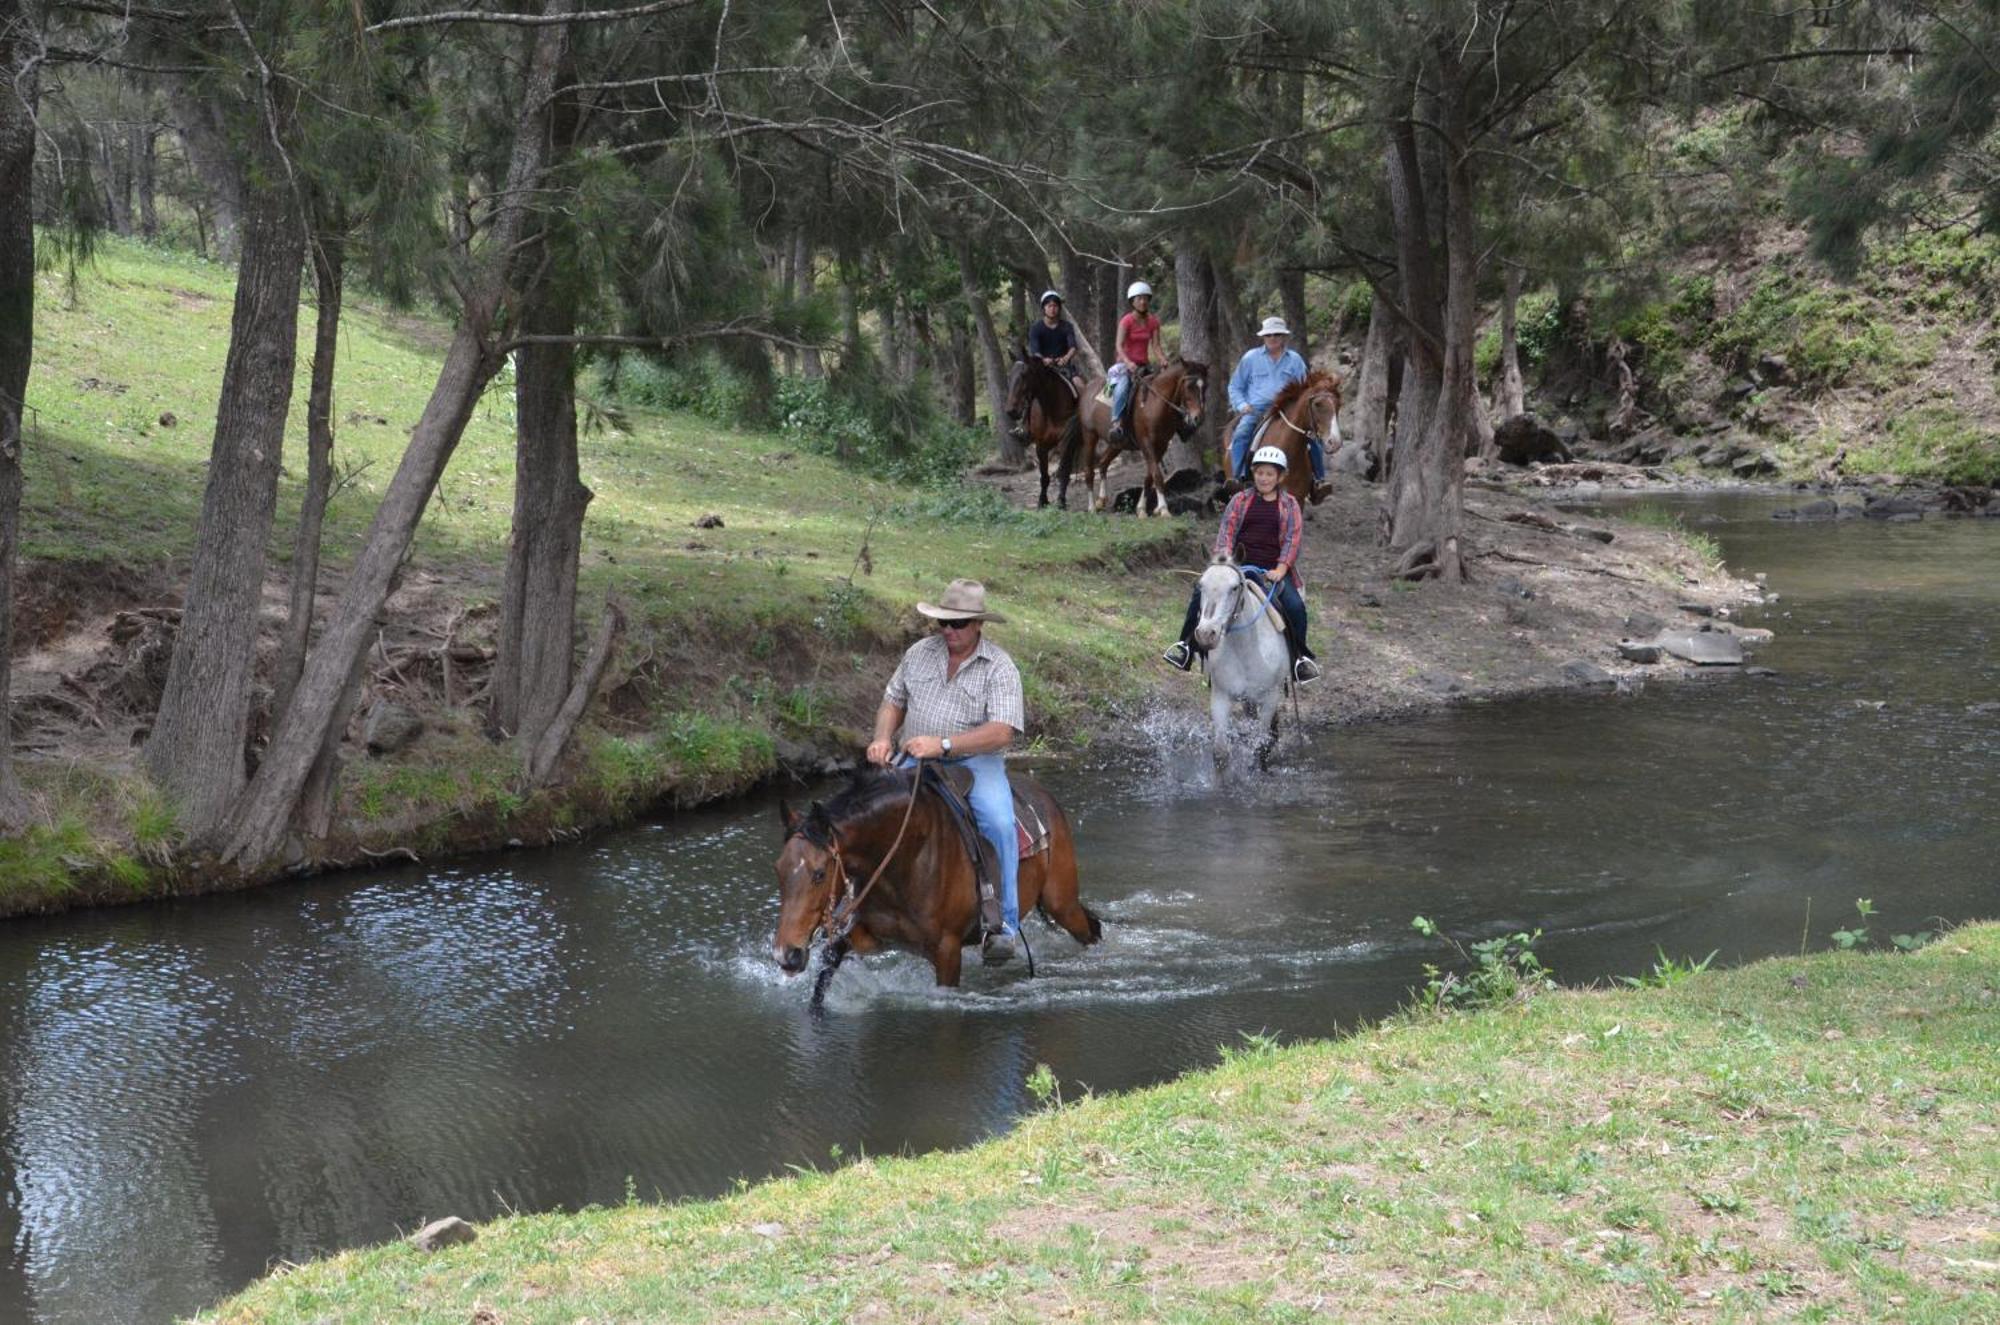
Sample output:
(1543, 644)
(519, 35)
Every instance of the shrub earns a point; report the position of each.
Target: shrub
(1505, 969)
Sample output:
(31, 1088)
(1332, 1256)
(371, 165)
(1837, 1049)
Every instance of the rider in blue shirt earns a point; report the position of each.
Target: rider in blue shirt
(1259, 376)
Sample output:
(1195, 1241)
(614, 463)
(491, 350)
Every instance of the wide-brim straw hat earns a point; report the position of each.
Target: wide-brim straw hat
(1274, 326)
(962, 600)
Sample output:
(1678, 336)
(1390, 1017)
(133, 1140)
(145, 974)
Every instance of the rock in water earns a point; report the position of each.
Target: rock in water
(451, 1231)
(390, 728)
(1581, 671)
(1820, 508)
(1524, 439)
(1706, 648)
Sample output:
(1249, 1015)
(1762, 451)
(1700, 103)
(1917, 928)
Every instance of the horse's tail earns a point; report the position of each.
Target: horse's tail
(1072, 444)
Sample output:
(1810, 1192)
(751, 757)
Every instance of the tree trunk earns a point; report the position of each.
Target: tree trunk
(1010, 452)
(1079, 290)
(1292, 302)
(17, 347)
(210, 156)
(1512, 397)
(534, 666)
(114, 176)
(1369, 422)
(964, 377)
(1110, 308)
(1233, 326)
(196, 750)
(329, 260)
(1428, 505)
(1195, 301)
(802, 290)
(146, 155)
(546, 750)
(850, 324)
(1023, 318)
(258, 829)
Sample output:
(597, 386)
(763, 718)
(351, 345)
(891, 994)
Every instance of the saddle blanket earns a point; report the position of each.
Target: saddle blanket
(1031, 830)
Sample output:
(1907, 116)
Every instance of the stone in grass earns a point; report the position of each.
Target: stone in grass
(390, 728)
(451, 1231)
(709, 521)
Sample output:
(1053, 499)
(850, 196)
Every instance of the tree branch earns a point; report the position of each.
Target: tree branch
(519, 20)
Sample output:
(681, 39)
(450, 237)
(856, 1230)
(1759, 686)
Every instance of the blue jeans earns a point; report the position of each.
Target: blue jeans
(1121, 391)
(992, 799)
(1239, 449)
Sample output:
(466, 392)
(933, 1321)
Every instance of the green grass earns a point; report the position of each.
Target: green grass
(1930, 442)
(1803, 1139)
(1704, 545)
(783, 620)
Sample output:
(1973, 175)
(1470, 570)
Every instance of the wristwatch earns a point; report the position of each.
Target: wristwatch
(945, 745)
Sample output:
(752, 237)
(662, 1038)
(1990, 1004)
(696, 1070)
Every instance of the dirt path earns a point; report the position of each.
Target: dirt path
(1540, 598)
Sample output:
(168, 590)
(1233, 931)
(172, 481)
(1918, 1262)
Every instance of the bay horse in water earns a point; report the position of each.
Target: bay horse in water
(1166, 405)
(1309, 407)
(927, 897)
(1042, 400)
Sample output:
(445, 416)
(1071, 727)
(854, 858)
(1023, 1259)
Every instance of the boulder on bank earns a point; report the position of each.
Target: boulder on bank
(1755, 464)
(1893, 508)
(1639, 651)
(1524, 439)
(451, 1231)
(390, 728)
(1704, 648)
(1583, 672)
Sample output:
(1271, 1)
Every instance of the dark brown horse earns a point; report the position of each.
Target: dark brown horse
(927, 899)
(1042, 400)
(1167, 404)
(1309, 407)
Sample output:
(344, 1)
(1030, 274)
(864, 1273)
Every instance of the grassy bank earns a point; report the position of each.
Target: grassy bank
(1808, 1139)
(775, 626)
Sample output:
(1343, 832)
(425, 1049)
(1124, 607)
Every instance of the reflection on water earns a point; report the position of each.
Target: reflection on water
(191, 1092)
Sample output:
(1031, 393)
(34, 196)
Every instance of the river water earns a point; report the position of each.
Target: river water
(192, 1092)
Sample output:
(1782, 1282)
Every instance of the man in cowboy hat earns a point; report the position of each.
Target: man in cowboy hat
(957, 698)
(1260, 374)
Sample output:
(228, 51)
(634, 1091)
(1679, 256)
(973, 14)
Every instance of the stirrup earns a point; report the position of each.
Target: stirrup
(1180, 655)
(997, 948)
(1305, 670)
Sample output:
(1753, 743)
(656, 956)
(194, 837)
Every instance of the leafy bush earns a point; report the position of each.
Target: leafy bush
(1537, 331)
(1505, 969)
(890, 429)
(700, 383)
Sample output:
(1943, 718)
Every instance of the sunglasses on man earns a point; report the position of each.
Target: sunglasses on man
(955, 625)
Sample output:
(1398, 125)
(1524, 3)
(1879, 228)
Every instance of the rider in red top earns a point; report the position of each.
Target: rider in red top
(1136, 332)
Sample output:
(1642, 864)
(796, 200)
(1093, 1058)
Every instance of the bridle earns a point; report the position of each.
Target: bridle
(837, 919)
(1307, 433)
(1243, 587)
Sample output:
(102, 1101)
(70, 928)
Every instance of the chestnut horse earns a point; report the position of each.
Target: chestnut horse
(1042, 400)
(1168, 404)
(1309, 407)
(927, 898)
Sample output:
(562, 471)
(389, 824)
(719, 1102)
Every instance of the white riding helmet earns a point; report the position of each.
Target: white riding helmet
(1269, 455)
(1135, 289)
(1046, 296)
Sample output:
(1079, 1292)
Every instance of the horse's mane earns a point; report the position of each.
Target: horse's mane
(1293, 392)
(867, 791)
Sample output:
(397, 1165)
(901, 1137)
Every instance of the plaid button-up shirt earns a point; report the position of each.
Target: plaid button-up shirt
(986, 689)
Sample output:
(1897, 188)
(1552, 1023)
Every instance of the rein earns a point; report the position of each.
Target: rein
(840, 914)
(1279, 415)
(1243, 582)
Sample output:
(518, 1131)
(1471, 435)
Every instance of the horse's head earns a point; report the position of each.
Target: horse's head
(811, 874)
(1324, 413)
(1190, 395)
(1017, 389)
(1221, 588)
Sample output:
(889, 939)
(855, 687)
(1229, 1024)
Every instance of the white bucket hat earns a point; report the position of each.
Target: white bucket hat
(1274, 326)
(962, 600)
